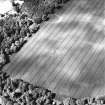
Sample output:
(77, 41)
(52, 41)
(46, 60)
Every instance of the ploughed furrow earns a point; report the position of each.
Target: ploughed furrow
(67, 55)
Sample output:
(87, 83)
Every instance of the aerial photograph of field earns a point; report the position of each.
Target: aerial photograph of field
(52, 52)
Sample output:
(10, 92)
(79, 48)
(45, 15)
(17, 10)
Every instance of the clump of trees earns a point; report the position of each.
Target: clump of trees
(40, 9)
(14, 32)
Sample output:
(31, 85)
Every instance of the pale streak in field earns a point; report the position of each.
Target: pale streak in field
(87, 18)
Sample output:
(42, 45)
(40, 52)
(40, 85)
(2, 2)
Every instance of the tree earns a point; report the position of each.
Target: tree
(2, 58)
(45, 17)
(1, 35)
(37, 18)
(34, 27)
(2, 22)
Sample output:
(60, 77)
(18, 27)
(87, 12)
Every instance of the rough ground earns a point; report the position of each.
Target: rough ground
(67, 55)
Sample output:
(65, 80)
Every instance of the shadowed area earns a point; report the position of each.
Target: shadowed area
(67, 54)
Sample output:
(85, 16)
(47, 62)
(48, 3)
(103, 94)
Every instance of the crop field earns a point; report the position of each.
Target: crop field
(67, 54)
